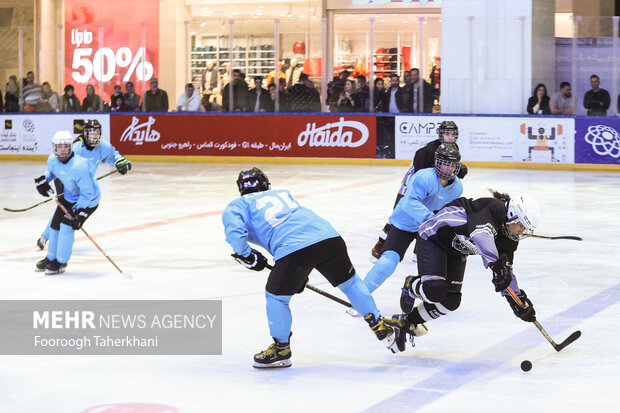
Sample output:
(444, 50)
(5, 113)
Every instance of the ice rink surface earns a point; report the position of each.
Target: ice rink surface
(162, 223)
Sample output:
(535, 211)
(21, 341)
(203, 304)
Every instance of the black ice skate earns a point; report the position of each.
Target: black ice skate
(41, 243)
(42, 265)
(277, 355)
(376, 250)
(54, 267)
(407, 302)
(385, 329)
(414, 330)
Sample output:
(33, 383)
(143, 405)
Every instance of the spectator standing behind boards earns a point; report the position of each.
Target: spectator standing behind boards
(131, 98)
(92, 102)
(11, 98)
(596, 100)
(117, 92)
(380, 96)
(561, 102)
(315, 102)
(394, 95)
(156, 100)
(538, 103)
(420, 102)
(31, 94)
(118, 103)
(258, 97)
(69, 102)
(49, 99)
(240, 93)
(362, 94)
(189, 101)
(300, 95)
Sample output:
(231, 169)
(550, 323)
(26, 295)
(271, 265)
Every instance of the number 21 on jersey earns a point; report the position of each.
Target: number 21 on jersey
(280, 206)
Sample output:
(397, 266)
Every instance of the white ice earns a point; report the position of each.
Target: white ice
(162, 224)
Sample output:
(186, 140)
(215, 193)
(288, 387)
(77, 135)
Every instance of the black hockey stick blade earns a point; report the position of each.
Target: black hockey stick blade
(571, 237)
(569, 340)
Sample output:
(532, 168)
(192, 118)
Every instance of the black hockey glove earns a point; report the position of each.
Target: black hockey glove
(255, 261)
(463, 171)
(123, 165)
(502, 273)
(43, 186)
(526, 313)
(79, 216)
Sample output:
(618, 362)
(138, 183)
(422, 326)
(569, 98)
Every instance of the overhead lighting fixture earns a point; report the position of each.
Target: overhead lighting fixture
(203, 24)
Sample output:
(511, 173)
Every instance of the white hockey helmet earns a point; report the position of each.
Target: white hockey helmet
(62, 137)
(525, 209)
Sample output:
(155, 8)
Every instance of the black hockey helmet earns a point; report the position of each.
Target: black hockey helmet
(447, 126)
(447, 160)
(91, 133)
(253, 180)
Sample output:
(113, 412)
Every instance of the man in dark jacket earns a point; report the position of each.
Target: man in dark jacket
(258, 97)
(596, 100)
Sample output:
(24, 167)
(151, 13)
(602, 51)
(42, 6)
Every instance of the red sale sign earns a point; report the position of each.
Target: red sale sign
(119, 54)
(332, 136)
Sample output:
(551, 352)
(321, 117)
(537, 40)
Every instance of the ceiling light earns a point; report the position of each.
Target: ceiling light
(203, 24)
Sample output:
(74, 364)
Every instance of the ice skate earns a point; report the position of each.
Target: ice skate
(54, 267)
(42, 265)
(384, 329)
(41, 243)
(277, 355)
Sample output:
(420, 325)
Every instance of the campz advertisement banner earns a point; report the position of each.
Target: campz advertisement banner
(116, 54)
(597, 140)
(31, 134)
(493, 139)
(245, 135)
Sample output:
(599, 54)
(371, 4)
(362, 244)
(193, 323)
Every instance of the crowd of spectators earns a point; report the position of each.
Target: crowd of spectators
(344, 94)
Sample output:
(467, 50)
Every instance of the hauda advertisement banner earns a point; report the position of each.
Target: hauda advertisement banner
(242, 135)
(104, 42)
(493, 139)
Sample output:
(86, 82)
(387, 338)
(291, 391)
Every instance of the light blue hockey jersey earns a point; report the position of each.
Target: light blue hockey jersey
(423, 196)
(104, 152)
(75, 175)
(274, 220)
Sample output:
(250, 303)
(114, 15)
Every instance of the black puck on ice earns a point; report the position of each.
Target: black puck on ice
(526, 365)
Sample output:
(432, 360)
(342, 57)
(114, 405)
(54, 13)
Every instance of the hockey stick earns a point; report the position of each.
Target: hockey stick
(558, 347)
(126, 275)
(323, 293)
(47, 200)
(574, 238)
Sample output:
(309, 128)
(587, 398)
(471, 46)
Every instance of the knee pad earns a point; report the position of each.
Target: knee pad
(452, 301)
(433, 288)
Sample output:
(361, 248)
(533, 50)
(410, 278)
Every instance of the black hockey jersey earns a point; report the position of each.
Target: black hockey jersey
(471, 227)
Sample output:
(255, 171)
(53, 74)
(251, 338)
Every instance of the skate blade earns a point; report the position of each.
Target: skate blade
(353, 312)
(50, 272)
(276, 365)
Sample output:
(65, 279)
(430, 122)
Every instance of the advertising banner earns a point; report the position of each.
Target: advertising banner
(493, 139)
(118, 55)
(245, 135)
(597, 140)
(28, 134)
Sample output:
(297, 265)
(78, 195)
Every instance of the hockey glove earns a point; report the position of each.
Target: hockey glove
(502, 273)
(526, 313)
(123, 165)
(255, 261)
(79, 216)
(463, 171)
(43, 186)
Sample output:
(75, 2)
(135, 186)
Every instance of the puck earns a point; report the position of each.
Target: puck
(526, 365)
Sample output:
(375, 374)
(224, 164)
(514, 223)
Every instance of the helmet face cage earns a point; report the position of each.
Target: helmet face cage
(447, 161)
(523, 209)
(92, 133)
(447, 127)
(253, 180)
(62, 138)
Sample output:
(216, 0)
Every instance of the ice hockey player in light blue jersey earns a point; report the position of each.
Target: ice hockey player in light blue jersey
(299, 241)
(81, 197)
(427, 190)
(90, 146)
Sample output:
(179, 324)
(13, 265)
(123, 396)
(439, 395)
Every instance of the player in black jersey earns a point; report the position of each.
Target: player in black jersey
(424, 158)
(489, 227)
